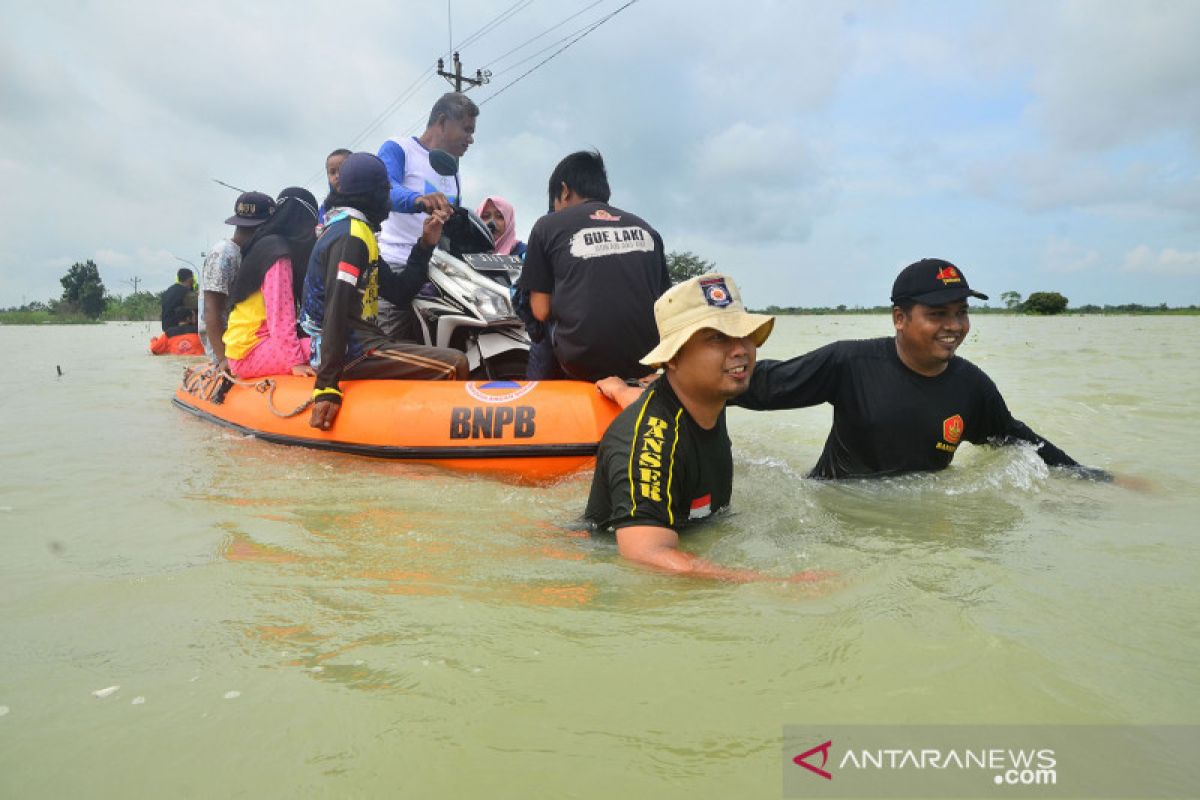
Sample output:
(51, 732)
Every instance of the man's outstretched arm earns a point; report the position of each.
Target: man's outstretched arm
(659, 548)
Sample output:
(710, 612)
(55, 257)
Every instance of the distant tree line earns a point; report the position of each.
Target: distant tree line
(1042, 303)
(85, 299)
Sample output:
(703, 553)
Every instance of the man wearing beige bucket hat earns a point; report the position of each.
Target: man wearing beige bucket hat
(666, 460)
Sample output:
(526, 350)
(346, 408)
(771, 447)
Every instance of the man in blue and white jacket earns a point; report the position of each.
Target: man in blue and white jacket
(418, 189)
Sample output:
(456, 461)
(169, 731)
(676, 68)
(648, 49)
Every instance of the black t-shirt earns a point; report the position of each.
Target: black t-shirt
(888, 419)
(172, 299)
(604, 268)
(657, 467)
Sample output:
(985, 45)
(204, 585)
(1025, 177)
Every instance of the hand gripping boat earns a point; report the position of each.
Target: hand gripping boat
(528, 430)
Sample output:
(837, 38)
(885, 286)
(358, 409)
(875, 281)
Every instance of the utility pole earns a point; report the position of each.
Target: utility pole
(134, 281)
(457, 79)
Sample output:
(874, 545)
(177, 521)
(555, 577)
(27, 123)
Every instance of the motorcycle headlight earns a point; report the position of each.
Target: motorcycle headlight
(492, 305)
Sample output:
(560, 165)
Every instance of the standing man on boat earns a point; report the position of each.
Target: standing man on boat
(593, 273)
(221, 265)
(666, 460)
(904, 403)
(346, 278)
(417, 190)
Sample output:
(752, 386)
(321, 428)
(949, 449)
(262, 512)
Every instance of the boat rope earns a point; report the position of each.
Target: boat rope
(209, 383)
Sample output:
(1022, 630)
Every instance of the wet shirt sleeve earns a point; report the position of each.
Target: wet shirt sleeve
(999, 427)
(807, 380)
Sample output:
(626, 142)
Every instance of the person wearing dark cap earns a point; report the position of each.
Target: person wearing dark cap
(221, 265)
(666, 461)
(904, 403)
(343, 284)
(260, 337)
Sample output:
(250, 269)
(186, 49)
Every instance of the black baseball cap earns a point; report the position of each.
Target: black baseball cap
(251, 209)
(932, 282)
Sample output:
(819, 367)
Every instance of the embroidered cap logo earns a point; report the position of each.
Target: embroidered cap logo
(716, 293)
(948, 275)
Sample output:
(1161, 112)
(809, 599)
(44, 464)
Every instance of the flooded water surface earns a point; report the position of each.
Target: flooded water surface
(279, 622)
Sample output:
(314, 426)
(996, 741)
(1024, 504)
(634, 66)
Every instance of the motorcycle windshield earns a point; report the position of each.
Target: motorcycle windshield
(465, 233)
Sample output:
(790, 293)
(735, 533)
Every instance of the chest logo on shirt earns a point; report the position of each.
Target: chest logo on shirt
(701, 507)
(596, 242)
(952, 429)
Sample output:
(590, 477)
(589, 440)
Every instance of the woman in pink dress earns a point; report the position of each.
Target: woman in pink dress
(261, 338)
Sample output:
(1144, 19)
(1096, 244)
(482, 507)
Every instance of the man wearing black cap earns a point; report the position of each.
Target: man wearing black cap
(221, 265)
(902, 404)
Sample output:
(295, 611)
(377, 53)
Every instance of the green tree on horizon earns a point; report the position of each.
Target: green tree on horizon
(1011, 300)
(83, 291)
(686, 265)
(1044, 303)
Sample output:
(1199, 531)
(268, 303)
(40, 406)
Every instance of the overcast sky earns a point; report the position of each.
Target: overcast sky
(810, 149)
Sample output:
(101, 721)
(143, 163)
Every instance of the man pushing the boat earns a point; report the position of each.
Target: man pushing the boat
(665, 461)
(342, 287)
(905, 403)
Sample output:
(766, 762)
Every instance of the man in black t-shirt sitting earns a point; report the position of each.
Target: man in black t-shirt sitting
(177, 295)
(903, 404)
(593, 273)
(666, 460)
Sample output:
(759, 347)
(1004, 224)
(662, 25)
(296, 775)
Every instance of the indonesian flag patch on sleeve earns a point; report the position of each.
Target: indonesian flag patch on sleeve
(348, 272)
(701, 507)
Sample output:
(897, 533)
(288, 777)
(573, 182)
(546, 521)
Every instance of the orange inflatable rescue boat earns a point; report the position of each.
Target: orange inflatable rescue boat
(529, 430)
(185, 344)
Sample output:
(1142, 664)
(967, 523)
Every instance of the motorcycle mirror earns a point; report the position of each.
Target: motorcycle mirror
(443, 163)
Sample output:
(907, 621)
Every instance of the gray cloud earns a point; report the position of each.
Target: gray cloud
(806, 144)
(1114, 74)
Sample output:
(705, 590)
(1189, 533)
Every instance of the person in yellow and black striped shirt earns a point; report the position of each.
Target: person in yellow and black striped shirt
(666, 460)
(342, 287)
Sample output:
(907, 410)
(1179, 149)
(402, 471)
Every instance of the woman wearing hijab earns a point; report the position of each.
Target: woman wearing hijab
(261, 337)
(497, 213)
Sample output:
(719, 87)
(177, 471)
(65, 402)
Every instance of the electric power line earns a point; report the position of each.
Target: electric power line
(547, 48)
(424, 77)
(533, 69)
(488, 27)
(393, 106)
(532, 39)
